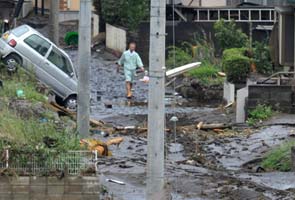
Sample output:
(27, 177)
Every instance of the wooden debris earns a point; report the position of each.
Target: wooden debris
(199, 126)
(181, 70)
(115, 141)
(134, 128)
(57, 108)
(202, 126)
(222, 74)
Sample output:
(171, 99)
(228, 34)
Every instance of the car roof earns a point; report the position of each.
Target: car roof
(34, 31)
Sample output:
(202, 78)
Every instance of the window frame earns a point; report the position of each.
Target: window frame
(45, 41)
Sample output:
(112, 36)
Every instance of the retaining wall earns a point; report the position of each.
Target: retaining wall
(49, 188)
(279, 97)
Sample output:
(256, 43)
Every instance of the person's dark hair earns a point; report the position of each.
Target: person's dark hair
(132, 42)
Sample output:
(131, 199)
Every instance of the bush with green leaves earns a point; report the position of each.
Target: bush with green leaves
(207, 74)
(279, 158)
(262, 58)
(177, 57)
(124, 13)
(228, 35)
(259, 114)
(236, 64)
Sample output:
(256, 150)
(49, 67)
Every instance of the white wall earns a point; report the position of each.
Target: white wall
(116, 38)
(213, 3)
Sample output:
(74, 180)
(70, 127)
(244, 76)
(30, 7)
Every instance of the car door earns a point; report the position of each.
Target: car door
(33, 49)
(60, 67)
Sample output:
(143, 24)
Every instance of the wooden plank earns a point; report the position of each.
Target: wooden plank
(57, 108)
(180, 70)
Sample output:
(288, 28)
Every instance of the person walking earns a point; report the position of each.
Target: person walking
(130, 60)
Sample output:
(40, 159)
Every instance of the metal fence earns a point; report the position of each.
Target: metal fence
(71, 163)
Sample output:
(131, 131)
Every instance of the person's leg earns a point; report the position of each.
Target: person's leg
(128, 89)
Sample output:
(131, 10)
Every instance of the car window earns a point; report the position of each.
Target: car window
(61, 61)
(19, 31)
(38, 44)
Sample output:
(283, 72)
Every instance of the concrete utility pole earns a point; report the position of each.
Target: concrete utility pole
(54, 21)
(84, 67)
(156, 116)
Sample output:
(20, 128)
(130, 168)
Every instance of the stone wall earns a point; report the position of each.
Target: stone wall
(49, 188)
(279, 97)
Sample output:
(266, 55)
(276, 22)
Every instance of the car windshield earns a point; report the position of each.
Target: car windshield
(19, 31)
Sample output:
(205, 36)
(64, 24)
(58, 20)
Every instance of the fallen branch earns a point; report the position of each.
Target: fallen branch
(134, 128)
(202, 126)
(57, 108)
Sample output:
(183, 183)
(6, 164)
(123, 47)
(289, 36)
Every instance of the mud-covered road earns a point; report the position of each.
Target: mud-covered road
(199, 164)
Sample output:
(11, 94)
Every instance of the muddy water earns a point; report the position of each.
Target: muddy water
(185, 177)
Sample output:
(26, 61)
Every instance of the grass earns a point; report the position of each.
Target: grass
(279, 159)
(21, 81)
(207, 74)
(27, 134)
(259, 114)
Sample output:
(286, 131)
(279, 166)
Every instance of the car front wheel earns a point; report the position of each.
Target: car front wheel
(71, 103)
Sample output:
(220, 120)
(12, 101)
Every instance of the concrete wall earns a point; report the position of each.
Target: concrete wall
(279, 97)
(49, 188)
(116, 38)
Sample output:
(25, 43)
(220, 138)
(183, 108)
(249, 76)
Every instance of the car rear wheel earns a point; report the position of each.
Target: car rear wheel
(71, 103)
(12, 62)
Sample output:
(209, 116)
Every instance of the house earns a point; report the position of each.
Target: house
(71, 5)
(286, 34)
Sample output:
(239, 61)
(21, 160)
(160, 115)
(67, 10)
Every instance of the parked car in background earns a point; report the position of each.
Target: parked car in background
(26, 47)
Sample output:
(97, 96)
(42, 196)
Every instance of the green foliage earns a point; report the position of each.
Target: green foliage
(203, 48)
(72, 38)
(207, 74)
(25, 136)
(260, 113)
(236, 64)
(177, 57)
(228, 35)
(124, 13)
(279, 158)
(262, 59)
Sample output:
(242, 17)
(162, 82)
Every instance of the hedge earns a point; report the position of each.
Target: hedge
(236, 64)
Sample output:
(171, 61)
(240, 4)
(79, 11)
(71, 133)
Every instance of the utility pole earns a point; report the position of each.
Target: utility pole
(84, 67)
(156, 105)
(54, 21)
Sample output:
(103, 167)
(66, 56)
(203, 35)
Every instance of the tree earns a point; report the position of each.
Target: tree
(228, 35)
(126, 13)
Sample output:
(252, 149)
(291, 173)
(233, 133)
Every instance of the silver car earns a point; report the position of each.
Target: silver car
(26, 47)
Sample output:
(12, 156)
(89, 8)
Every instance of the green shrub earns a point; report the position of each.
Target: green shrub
(207, 74)
(260, 113)
(262, 59)
(228, 35)
(123, 13)
(177, 57)
(279, 158)
(72, 38)
(203, 48)
(236, 65)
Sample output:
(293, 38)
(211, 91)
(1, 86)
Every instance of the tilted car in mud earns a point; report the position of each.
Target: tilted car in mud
(26, 47)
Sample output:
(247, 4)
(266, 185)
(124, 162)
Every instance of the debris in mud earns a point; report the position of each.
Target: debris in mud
(203, 126)
(115, 181)
(99, 146)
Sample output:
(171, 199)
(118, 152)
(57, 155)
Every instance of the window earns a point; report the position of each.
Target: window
(62, 62)
(38, 44)
(19, 31)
